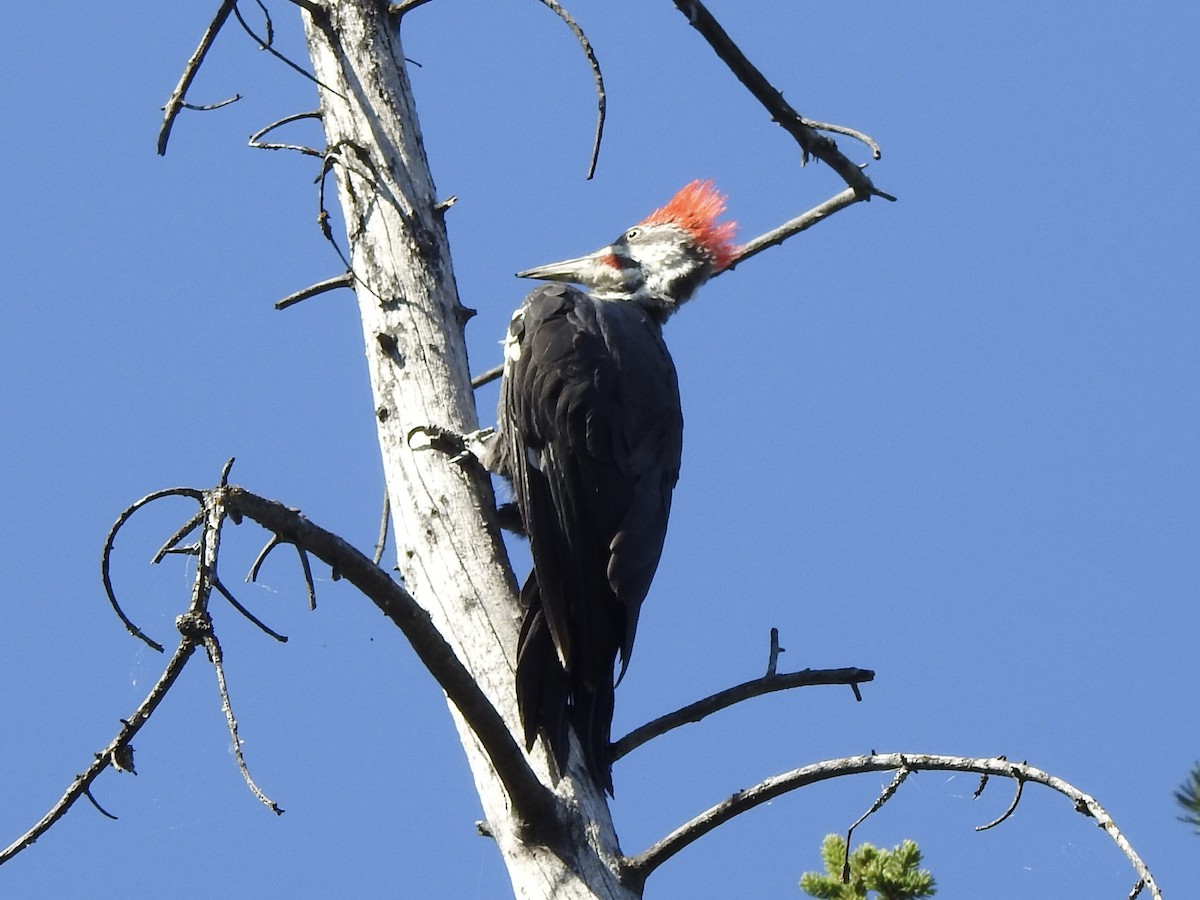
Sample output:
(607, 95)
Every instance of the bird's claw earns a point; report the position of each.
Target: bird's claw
(459, 447)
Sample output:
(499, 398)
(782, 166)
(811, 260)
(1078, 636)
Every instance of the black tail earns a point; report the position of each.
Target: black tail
(550, 699)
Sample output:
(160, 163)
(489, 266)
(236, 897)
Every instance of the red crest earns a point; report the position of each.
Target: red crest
(695, 208)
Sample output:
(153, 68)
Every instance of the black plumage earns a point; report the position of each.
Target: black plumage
(590, 435)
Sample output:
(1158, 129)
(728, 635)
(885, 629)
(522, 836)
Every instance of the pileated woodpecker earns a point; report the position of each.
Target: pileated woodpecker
(590, 434)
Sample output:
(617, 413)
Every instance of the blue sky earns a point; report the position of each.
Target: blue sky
(952, 439)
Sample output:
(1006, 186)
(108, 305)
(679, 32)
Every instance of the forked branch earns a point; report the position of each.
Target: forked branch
(195, 629)
(176, 101)
(532, 802)
(811, 140)
(638, 868)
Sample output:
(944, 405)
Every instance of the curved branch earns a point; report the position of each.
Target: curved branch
(209, 107)
(1012, 807)
(233, 601)
(385, 519)
(344, 280)
(597, 76)
(257, 143)
(767, 684)
(530, 798)
(100, 809)
(876, 153)
(256, 566)
(106, 556)
(638, 868)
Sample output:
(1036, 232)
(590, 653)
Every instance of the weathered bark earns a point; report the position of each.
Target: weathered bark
(449, 549)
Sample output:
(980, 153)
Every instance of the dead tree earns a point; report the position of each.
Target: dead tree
(456, 603)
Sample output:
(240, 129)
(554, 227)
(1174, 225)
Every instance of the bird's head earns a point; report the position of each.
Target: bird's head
(662, 260)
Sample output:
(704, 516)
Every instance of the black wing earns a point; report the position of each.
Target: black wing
(591, 435)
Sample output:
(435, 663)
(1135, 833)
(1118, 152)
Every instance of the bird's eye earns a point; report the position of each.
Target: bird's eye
(632, 233)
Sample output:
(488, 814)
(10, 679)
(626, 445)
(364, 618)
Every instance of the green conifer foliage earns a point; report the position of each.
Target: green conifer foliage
(1188, 796)
(881, 874)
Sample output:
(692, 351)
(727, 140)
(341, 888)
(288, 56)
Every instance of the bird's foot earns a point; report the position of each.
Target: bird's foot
(459, 447)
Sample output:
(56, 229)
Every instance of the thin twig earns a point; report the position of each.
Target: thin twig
(331, 156)
(267, 23)
(694, 712)
(274, 542)
(258, 144)
(224, 592)
(214, 654)
(597, 77)
(208, 107)
(1012, 807)
(306, 569)
(173, 541)
(773, 655)
(175, 102)
(638, 868)
(803, 222)
(344, 280)
(266, 45)
(884, 796)
(385, 518)
(100, 809)
(487, 377)
(849, 132)
(110, 542)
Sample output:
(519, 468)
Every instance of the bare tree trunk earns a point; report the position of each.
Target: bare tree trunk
(449, 549)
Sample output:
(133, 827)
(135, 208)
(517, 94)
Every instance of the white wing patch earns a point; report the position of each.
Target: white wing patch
(512, 340)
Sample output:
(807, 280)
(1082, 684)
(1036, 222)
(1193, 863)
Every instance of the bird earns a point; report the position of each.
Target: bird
(590, 436)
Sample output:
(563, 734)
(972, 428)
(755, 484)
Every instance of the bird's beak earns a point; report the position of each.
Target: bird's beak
(575, 270)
